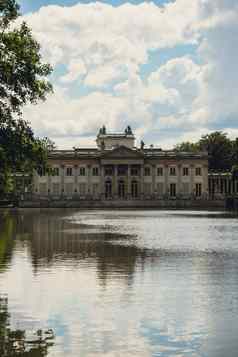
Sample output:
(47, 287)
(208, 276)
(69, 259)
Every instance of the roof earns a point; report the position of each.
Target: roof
(146, 153)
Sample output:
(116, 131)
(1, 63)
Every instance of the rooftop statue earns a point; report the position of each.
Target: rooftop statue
(128, 130)
(142, 144)
(104, 130)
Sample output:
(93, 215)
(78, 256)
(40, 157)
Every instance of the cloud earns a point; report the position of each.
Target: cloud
(103, 48)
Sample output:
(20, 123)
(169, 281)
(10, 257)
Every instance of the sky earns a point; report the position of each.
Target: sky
(166, 68)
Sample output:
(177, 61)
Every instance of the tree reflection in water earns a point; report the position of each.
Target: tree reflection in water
(20, 343)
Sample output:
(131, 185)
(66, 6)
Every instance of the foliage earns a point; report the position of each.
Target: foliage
(222, 151)
(186, 146)
(19, 342)
(22, 81)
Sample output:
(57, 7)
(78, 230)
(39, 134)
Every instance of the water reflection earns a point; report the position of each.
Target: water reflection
(123, 283)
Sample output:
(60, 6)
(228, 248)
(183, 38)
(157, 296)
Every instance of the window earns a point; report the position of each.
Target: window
(147, 171)
(160, 171)
(69, 171)
(198, 171)
(160, 188)
(135, 171)
(41, 171)
(56, 171)
(82, 171)
(95, 171)
(122, 170)
(185, 171)
(198, 191)
(108, 170)
(172, 190)
(172, 171)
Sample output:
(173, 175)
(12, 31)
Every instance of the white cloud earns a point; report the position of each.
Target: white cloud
(103, 47)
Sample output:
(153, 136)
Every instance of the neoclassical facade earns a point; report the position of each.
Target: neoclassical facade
(118, 170)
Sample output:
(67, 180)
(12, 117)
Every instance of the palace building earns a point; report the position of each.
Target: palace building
(118, 170)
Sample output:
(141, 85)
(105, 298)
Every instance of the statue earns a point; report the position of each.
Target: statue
(104, 130)
(128, 130)
(142, 144)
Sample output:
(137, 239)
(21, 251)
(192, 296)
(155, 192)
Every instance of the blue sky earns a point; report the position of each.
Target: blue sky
(34, 5)
(167, 68)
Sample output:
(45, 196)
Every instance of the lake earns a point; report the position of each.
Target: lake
(118, 283)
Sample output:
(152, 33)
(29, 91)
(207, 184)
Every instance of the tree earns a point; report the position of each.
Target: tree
(187, 146)
(219, 148)
(22, 80)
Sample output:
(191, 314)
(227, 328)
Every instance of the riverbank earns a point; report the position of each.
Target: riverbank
(114, 204)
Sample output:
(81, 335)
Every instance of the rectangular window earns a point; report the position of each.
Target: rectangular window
(160, 171)
(55, 171)
(69, 171)
(198, 171)
(185, 171)
(147, 171)
(108, 170)
(135, 171)
(160, 188)
(198, 190)
(82, 171)
(41, 171)
(82, 188)
(122, 170)
(172, 171)
(95, 171)
(172, 190)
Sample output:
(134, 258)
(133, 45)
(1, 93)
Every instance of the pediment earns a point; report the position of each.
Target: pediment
(123, 152)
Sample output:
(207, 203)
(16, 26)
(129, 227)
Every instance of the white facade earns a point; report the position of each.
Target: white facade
(116, 169)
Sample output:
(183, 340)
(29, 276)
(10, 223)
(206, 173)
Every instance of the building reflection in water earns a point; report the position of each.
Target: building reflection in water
(95, 281)
(53, 240)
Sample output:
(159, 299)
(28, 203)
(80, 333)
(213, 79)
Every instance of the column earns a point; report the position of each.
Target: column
(205, 189)
(179, 190)
(62, 180)
(142, 182)
(129, 181)
(166, 180)
(192, 180)
(76, 188)
(115, 182)
(102, 182)
(153, 189)
(89, 189)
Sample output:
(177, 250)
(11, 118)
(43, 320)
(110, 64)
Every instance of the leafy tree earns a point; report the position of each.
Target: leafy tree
(187, 146)
(219, 148)
(22, 80)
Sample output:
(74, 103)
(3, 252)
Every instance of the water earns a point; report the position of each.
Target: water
(118, 283)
